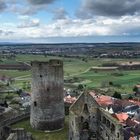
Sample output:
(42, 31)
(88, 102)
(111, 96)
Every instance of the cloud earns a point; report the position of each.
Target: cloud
(28, 7)
(3, 5)
(25, 9)
(35, 5)
(30, 27)
(28, 22)
(40, 2)
(102, 26)
(60, 13)
(6, 32)
(93, 8)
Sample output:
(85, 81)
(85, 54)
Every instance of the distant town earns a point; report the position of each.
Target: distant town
(93, 50)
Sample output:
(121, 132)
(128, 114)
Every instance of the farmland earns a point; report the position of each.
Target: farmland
(123, 81)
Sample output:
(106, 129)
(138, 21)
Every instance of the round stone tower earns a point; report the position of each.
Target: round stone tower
(47, 104)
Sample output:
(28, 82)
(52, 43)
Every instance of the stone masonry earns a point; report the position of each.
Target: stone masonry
(47, 104)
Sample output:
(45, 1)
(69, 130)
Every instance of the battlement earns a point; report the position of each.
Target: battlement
(51, 62)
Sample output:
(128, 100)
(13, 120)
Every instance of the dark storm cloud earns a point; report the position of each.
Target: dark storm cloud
(60, 13)
(92, 8)
(34, 6)
(40, 2)
(3, 5)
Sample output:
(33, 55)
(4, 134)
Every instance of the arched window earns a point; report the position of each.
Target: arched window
(85, 110)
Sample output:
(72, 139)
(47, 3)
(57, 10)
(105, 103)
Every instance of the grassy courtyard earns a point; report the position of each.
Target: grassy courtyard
(40, 135)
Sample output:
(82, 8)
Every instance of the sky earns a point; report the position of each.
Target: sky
(65, 21)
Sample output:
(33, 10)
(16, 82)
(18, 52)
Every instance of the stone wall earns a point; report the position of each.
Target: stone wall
(88, 121)
(4, 130)
(14, 119)
(19, 134)
(47, 104)
(108, 127)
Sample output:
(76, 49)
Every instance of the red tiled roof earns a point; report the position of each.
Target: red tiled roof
(135, 102)
(69, 99)
(131, 138)
(92, 93)
(104, 100)
(121, 117)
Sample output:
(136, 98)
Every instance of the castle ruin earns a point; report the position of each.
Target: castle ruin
(47, 104)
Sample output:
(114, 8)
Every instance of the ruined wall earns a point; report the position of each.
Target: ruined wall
(19, 134)
(83, 118)
(108, 127)
(90, 121)
(47, 104)
(4, 132)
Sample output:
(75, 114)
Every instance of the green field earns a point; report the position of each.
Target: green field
(124, 83)
(76, 67)
(40, 135)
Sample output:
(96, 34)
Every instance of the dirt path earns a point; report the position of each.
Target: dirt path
(78, 73)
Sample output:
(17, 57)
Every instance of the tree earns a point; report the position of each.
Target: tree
(135, 89)
(130, 97)
(19, 91)
(80, 87)
(117, 95)
(111, 83)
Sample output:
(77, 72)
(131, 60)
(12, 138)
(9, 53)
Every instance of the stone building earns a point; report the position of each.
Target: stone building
(89, 121)
(4, 132)
(47, 104)
(19, 134)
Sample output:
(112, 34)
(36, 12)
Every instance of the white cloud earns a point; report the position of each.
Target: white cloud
(75, 27)
(28, 22)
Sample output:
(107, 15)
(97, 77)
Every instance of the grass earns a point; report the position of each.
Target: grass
(127, 80)
(76, 67)
(40, 135)
(8, 61)
(13, 73)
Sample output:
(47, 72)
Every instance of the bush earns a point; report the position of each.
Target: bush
(117, 95)
(130, 98)
(117, 74)
(80, 87)
(111, 83)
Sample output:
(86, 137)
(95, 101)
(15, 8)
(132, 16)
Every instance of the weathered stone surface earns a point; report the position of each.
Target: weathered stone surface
(47, 105)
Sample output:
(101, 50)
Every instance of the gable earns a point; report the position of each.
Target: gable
(79, 106)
